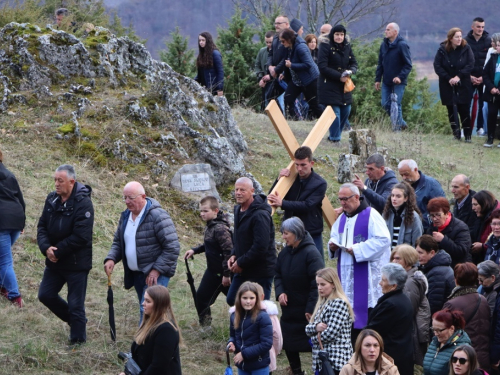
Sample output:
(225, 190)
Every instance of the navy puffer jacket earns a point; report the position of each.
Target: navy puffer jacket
(253, 339)
(440, 278)
(156, 242)
(303, 64)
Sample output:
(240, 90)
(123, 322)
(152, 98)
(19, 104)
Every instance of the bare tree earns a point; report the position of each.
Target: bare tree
(318, 12)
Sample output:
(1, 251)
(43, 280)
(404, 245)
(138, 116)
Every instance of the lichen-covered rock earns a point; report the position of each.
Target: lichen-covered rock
(349, 164)
(34, 59)
(362, 142)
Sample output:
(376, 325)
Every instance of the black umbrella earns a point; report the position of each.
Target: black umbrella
(112, 328)
(326, 366)
(190, 281)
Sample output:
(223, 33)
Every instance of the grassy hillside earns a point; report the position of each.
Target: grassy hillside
(33, 340)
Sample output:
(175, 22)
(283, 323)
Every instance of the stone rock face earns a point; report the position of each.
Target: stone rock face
(362, 144)
(34, 59)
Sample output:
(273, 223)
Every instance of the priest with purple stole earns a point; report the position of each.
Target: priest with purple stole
(361, 243)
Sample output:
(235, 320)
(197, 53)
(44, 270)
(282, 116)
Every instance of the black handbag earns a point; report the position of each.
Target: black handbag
(326, 366)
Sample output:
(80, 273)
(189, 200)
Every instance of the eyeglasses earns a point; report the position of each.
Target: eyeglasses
(345, 199)
(438, 330)
(482, 279)
(279, 23)
(129, 197)
(462, 361)
(435, 215)
(495, 224)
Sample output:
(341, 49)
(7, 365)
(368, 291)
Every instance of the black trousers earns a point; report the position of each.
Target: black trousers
(464, 115)
(480, 101)
(310, 93)
(208, 291)
(72, 311)
(493, 108)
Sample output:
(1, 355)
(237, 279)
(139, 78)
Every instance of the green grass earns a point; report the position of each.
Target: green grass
(33, 340)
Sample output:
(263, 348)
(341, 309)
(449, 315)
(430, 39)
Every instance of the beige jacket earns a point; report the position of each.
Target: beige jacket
(353, 367)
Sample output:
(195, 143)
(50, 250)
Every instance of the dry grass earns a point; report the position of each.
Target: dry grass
(34, 341)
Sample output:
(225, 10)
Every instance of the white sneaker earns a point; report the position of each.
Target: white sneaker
(480, 132)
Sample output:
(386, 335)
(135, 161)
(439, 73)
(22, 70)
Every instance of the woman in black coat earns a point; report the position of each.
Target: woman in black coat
(156, 343)
(295, 287)
(392, 318)
(12, 222)
(336, 63)
(453, 64)
(451, 233)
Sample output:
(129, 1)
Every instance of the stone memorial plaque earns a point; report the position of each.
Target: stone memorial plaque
(195, 182)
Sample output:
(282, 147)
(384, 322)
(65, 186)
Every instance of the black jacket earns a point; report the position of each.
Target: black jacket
(489, 78)
(217, 244)
(480, 50)
(304, 200)
(446, 70)
(465, 213)
(296, 277)
(377, 193)
(332, 62)
(456, 241)
(12, 204)
(394, 60)
(277, 55)
(440, 278)
(253, 239)
(392, 317)
(159, 355)
(68, 227)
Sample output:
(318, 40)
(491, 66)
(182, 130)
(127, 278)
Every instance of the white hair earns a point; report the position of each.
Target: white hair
(395, 26)
(354, 189)
(412, 164)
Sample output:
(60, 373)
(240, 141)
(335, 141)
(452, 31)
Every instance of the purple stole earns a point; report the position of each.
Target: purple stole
(360, 268)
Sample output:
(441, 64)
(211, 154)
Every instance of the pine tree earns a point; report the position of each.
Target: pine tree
(238, 56)
(177, 55)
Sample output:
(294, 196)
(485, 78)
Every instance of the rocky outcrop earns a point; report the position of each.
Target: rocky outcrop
(50, 64)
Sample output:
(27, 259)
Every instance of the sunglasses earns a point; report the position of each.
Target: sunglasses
(462, 361)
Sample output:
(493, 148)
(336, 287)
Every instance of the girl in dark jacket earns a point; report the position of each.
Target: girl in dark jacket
(336, 63)
(251, 332)
(304, 73)
(463, 361)
(296, 290)
(484, 204)
(12, 222)
(209, 65)
(312, 43)
(453, 64)
(156, 343)
(491, 95)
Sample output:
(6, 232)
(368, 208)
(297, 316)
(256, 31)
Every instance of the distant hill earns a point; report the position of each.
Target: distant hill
(423, 22)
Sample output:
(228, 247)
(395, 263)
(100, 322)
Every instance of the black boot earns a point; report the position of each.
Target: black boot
(468, 135)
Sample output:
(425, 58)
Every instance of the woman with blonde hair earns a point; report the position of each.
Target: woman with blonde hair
(156, 343)
(331, 321)
(369, 356)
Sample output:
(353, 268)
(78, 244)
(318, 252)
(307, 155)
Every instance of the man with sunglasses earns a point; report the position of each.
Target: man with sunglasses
(146, 241)
(362, 243)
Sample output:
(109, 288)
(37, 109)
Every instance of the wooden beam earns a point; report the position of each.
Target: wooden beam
(291, 145)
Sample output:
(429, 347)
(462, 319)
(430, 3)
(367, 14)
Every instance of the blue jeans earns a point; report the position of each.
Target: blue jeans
(318, 241)
(342, 113)
(7, 275)
(260, 371)
(399, 90)
(73, 311)
(141, 286)
(265, 282)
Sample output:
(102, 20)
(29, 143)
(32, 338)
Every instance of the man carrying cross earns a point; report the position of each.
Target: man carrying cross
(361, 242)
(304, 199)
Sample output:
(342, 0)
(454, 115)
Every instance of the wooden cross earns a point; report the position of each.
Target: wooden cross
(290, 142)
